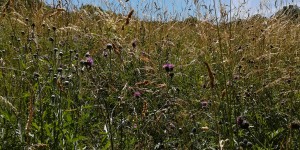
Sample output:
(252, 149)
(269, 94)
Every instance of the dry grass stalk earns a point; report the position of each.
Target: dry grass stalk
(19, 21)
(276, 82)
(6, 7)
(211, 75)
(70, 28)
(129, 16)
(56, 12)
(9, 104)
(38, 146)
(145, 109)
(29, 120)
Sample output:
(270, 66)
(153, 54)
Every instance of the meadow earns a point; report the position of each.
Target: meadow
(95, 79)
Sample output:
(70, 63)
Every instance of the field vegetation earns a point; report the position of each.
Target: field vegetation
(89, 78)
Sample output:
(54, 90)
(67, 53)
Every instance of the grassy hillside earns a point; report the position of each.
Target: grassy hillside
(92, 79)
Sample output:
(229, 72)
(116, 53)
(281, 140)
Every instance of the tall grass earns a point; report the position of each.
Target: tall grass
(87, 78)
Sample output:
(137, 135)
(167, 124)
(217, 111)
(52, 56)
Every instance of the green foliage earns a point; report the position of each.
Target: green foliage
(91, 79)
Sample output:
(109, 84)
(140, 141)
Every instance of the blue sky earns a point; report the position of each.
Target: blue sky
(179, 9)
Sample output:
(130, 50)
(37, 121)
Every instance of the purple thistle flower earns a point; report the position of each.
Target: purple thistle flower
(239, 120)
(135, 126)
(204, 104)
(137, 94)
(168, 67)
(105, 54)
(242, 122)
(89, 62)
(245, 124)
(295, 125)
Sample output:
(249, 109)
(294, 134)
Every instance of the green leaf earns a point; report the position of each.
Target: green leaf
(44, 114)
(79, 138)
(6, 116)
(26, 95)
(274, 134)
(68, 117)
(35, 126)
(107, 145)
(48, 133)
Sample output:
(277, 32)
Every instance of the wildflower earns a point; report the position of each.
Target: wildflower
(242, 122)
(180, 130)
(135, 126)
(245, 143)
(171, 74)
(239, 120)
(249, 144)
(194, 130)
(50, 69)
(51, 39)
(54, 28)
(35, 55)
(109, 46)
(59, 69)
(36, 75)
(105, 54)
(87, 54)
(245, 124)
(204, 104)
(66, 83)
(82, 62)
(55, 77)
(89, 62)
(137, 94)
(295, 125)
(134, 43)
(55, 50)
(168, 67)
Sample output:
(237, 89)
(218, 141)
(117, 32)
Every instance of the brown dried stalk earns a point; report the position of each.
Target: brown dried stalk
(145, 109)
(128, 19)
(210, 74)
